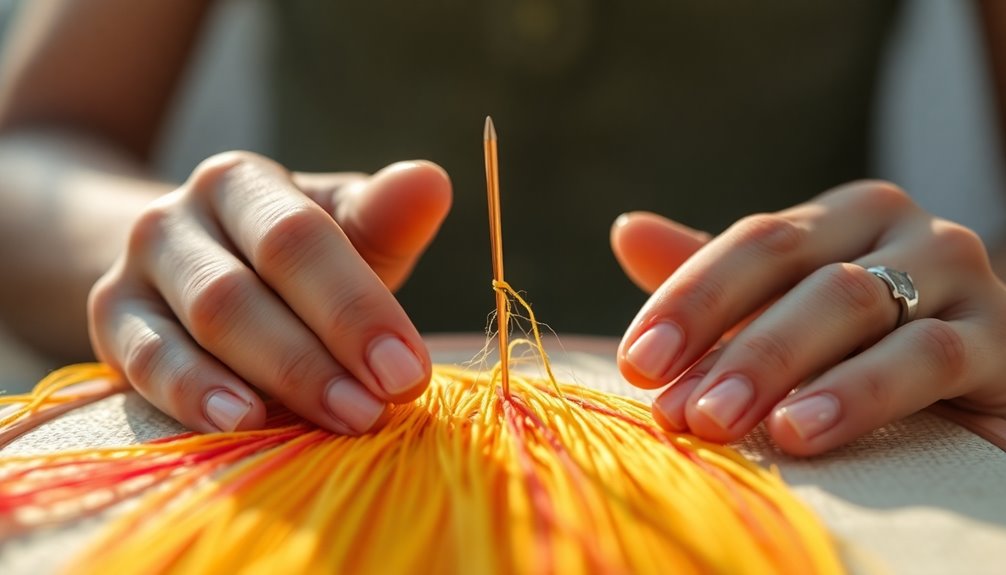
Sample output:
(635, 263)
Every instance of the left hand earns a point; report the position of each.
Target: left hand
(778, 318)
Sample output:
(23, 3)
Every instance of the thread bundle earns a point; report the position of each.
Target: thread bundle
(553, 478)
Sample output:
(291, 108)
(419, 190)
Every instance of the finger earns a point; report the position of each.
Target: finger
(669, 407)
(650, 247)
(138, 339)
(836, 310)
(324, 188)
(390, 217)
(300, 252)
(916, 365)
(749, 264)
(233, 316)
(924, 244)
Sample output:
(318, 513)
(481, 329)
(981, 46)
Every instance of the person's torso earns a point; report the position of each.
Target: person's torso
(697, 110)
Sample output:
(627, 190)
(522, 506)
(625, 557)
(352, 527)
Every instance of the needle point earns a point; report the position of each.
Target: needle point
(490, 131)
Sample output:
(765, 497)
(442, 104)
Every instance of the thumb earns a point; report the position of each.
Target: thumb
(650, 247)
(389, 217)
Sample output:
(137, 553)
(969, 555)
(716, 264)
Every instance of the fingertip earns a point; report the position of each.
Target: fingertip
(621, 224)
(412, 393)
(716, 413)
(647, 361)
(668, 419)
(424, 168)
(650, 247)
(392, 217)
(228, 410)
(402, 371)
(621, 233)
(661, 419)
(423, 184)
(621, 221)
(669, 406)
(806, 425)
(702, 427)
(352, 408)
(381, 421)
(633, 376)
(785, 437)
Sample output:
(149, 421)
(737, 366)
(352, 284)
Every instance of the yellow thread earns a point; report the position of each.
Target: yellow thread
(53, 390)
(558, 478)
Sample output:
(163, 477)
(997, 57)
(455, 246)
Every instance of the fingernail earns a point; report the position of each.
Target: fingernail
(727, 401)
(226, 410)
(652, 353)
(398, 369)
(812, 415)
(353, 405)
(671, 403)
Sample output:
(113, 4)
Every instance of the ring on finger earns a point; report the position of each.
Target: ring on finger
(902, 290)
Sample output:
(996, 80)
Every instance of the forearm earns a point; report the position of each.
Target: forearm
(68, 203)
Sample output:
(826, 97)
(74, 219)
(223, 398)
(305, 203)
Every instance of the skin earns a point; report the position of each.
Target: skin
(783, 302)
(290, 293)
(74, 148)
(248, 278)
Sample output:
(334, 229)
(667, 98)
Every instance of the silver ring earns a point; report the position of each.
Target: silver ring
(902, 290)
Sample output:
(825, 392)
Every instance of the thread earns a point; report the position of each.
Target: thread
(554, 478)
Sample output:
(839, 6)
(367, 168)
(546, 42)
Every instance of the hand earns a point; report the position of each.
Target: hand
(248, 276)
(778, 318)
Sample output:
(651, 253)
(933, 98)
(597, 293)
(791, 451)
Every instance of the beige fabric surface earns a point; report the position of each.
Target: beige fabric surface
(920, 496)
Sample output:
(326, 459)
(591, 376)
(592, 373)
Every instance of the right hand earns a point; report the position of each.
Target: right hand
(248, 276)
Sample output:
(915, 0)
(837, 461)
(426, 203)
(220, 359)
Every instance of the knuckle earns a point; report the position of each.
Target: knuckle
(703, 298)
(771, 350)
(144, 359)
(149, 228)
(183, 388)
(856, 289)
(880, 195)
(101, 299)
(943, 347)
(771, 233)
(878, 390)
(229, 170)
(213, 301)
(351, 309)
(211, 171)
(960, 244)
(296, 372)
(291, 237)
(164, 372)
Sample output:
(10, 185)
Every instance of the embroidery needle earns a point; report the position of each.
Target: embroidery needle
(496, 243)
